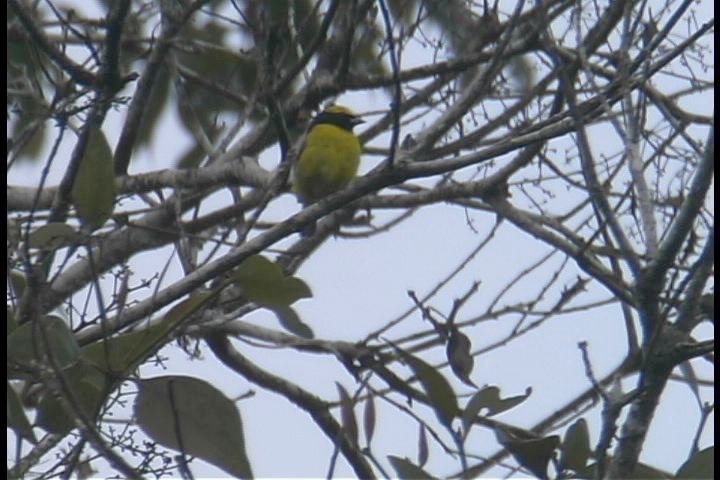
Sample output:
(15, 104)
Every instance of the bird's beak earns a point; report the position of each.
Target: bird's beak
(357, 121)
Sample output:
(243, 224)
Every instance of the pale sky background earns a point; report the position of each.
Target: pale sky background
(359, 285)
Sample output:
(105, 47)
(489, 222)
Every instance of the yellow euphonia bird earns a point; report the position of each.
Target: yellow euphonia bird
(329, 157)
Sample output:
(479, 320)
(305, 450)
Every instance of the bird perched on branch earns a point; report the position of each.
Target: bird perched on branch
(329, 157)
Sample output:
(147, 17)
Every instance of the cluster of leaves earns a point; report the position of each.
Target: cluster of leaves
(179, 412)
(572, 457)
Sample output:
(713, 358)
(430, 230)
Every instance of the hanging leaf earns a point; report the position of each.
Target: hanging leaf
(347, 413)
(33, 341)
(53, 414)
(405, 469)
(459, 356)
(264, 283)
(472, 409)
(438, 390)
(90, 389)
(93, 190)
(533, 454)
(423, 452)
(292, 322)
(489, 398)
(369, 417)
(192, 416)
(575, 449)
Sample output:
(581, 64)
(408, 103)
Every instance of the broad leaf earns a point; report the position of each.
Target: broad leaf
(190, 415)
(459, 356)
(89, 388)
(347, 413)
(264, 283)
(489, 398)
(533, 454)
(575, 449)
(438, 390)
(31, 342)
(291, 321)
(53, 414)
(93, 190)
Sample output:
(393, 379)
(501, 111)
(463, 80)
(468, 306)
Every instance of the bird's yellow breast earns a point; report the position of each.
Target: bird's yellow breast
(329, 160)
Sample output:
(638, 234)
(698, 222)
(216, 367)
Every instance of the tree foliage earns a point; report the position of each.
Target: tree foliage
(582, 131)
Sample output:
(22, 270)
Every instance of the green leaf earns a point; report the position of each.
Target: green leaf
(190, 415)
(90, 389)
(155, 107)
(93, 190)
(369, 417)
(53, 415)
(109, 361)
(405, 469)
(459, 356)
(264, 283)
(472, 409)
(347, 413)
(533, 454)
(575, 448)
(438, 390)
(489, 398)
(120, 355)
(31, 342)
(423, 452)
(291, 321)
(700, 465)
